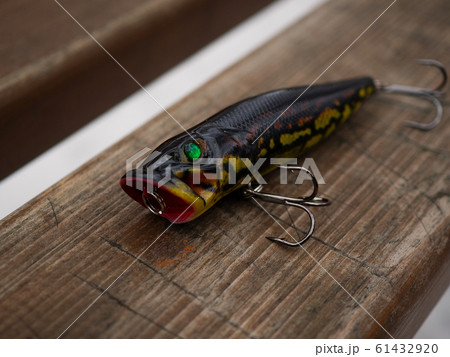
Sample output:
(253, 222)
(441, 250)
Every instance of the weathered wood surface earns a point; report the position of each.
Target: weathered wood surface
(385, 237)
(54, 78)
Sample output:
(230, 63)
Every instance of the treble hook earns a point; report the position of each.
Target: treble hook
(428, 94)
(299, 202)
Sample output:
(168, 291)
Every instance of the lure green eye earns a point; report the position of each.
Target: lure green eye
(192, 151)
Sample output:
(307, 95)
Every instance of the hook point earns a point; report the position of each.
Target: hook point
(438, 65)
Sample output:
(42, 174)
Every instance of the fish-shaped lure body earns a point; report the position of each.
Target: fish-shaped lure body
(281, 123)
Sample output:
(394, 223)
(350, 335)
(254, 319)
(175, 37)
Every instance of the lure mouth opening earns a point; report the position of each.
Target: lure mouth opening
(173, 201)
(154, 202)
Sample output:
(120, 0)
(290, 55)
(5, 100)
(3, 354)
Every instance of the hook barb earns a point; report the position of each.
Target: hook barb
(299, 202)
(438, 65)
(307, 236)
(428, 94)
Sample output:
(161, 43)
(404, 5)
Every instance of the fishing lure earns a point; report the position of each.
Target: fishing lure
(278, 124)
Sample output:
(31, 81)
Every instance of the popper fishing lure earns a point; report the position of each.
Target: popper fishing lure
(278, 124)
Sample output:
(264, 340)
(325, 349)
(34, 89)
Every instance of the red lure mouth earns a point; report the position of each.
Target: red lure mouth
(160, 200)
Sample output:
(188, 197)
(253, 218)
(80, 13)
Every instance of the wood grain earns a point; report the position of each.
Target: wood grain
(54, 79)
(385, 238)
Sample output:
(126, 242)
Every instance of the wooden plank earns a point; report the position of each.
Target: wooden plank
(54, 78)
(385, 238)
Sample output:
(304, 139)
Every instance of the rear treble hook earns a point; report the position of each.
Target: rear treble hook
(428, 94)
(300, 202)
